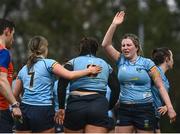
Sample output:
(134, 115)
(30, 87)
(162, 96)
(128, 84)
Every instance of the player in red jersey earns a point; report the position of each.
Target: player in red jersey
(6, 75)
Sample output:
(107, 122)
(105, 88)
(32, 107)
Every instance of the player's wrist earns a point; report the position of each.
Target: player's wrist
(89, 71)
(15, 105)
(113, 24)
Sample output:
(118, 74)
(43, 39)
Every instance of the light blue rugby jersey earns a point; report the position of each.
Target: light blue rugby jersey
(156, 95)
(41, 91)
(135, 82)
(94, 83)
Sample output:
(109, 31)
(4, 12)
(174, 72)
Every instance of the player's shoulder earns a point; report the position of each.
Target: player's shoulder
(4, 52)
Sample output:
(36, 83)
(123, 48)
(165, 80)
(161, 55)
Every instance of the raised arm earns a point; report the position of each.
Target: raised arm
(62, 72)
(107, 41)
(163, 92)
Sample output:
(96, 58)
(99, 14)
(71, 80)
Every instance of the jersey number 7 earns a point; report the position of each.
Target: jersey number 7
(32, 79)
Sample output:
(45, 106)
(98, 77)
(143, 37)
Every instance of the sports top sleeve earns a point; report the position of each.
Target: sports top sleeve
(120, 60)
(50, 63)
(62, 86)
(114, 85)
(149, 64)
(4, 60)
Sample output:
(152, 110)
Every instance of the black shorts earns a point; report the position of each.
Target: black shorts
(6, 121)
(157, 123)
(87, 109)
(142, 116)
(36, 118)
(58, 128)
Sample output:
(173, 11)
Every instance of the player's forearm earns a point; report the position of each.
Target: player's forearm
(6, 91)
(107, 41)
(79, 73)
(165, 97)
(62, 72)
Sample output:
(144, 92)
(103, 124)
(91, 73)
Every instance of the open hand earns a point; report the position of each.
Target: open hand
(118, 18)
(94, 69)
(59, 116)
(172, 115)
(162, 110)
(16, 114)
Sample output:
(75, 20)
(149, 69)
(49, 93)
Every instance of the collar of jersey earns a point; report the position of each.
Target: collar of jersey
(134, 61)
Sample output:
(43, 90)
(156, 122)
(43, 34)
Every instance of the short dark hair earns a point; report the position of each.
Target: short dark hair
(159, 55)
(4, 24)
(88, 45)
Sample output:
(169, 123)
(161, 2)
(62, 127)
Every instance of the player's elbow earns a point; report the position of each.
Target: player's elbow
(104, 44)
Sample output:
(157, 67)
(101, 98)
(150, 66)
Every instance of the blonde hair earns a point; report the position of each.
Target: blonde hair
(135, 41)
(37, 46)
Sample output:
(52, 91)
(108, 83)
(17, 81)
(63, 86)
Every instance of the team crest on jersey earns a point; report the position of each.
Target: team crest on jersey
(138, 69)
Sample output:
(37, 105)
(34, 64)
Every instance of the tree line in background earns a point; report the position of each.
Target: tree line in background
(65, 22)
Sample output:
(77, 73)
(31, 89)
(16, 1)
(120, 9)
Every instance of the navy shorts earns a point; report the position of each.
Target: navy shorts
(87, 109)
(142, 116)
(6, 121)
(36, 118)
